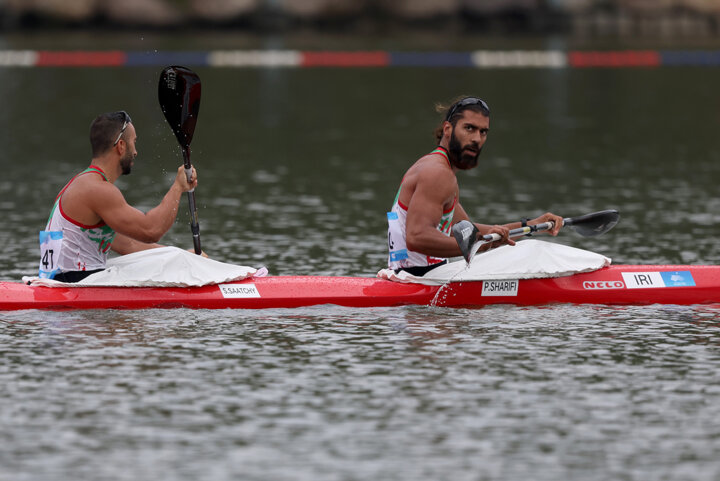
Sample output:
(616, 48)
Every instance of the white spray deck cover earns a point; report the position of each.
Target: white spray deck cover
(527, 259)
(161, 267)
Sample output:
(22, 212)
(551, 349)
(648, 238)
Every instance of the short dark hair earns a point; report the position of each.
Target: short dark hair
(453, 112)
(103, 131)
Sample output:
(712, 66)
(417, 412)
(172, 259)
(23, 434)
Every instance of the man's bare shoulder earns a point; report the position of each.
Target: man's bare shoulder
(432, 165)
(434, 179)
(91, 189)
(94, 182)
(434, 169)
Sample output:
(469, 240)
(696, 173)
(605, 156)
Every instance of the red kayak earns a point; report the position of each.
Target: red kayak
(617, 284)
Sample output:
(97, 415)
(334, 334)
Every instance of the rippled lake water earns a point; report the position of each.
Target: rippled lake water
(328, 393)
(297, 169)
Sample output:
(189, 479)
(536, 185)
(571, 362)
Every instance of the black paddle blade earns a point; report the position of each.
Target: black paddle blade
(466, 234)
(594, 224)
(179, 95)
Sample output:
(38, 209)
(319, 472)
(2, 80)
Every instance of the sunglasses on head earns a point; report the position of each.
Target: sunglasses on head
(466, 102)
(126, 121)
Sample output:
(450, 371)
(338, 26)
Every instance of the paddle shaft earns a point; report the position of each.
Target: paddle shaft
(194, 224)
(595, 223)
(588, 225)
(528, 229)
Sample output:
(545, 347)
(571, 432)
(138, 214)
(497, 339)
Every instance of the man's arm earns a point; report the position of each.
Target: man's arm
(484, 229)
(434, 189)
(547, 217)
(123, 244)
(108, 202)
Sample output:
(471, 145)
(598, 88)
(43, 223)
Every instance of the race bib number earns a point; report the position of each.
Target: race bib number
(396, 238)
(50, 245)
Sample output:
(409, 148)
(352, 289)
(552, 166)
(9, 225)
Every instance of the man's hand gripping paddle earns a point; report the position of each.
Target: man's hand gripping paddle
(179, 96)
(588, 225)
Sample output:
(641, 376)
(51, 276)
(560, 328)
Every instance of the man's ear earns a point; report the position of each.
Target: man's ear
(447, 128)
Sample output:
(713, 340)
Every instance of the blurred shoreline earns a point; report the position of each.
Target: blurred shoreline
(593, 18)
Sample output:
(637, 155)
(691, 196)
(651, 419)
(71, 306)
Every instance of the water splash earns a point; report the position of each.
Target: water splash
(438, 300)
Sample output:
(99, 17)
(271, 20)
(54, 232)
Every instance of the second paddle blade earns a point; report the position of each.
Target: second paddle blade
(590, 225)
(179, 95)
(465, 234)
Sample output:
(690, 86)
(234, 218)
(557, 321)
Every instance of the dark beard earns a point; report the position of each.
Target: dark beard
(460, 159)
(126, 163)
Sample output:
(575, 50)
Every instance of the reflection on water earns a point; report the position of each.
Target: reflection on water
(297, 169)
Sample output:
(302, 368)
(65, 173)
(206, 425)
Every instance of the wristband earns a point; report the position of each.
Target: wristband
(524, 223)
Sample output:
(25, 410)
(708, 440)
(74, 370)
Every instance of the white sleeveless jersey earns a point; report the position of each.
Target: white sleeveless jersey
(399, 255)
(82, 247)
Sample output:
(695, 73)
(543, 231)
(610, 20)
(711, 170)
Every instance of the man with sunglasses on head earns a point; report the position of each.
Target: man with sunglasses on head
(427, 203)
(90, 215)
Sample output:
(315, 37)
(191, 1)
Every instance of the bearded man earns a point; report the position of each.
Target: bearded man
(427, 203)
(90, 215)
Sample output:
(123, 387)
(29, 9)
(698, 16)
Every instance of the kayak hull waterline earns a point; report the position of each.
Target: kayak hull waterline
(617, 284)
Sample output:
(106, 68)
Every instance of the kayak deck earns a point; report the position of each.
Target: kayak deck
(617, 284)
